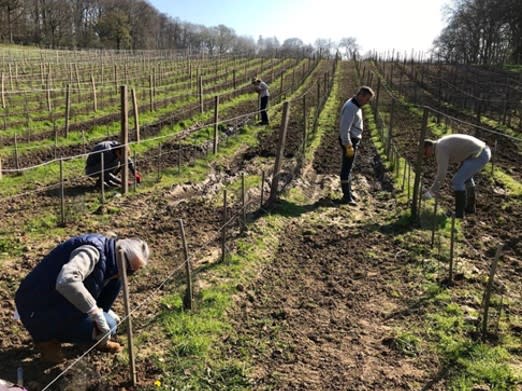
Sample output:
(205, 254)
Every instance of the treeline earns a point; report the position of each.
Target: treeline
(111, 24)
(135, 25)
(482, 32)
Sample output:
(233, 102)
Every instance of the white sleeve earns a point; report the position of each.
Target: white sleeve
(347, 117)
(70, 280)
(442, 169)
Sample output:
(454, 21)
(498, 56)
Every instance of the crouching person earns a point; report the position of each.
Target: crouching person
(68, 296)
(112, 154)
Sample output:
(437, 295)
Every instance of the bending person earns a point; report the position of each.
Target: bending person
(112, 151)
(471, 153)
(68, 296)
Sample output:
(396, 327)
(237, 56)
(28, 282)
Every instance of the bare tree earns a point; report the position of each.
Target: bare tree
(349, 45)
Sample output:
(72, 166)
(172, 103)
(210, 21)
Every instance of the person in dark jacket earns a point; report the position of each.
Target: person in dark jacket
(68, 296)
(262, 90)
(111, 151)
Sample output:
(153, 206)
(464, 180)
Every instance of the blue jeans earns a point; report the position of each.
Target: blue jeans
(469, 167)
(71, 326)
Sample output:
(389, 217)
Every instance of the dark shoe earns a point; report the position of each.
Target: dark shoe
(470, 200)
(51, 351)
(347, 201)
(460, 203)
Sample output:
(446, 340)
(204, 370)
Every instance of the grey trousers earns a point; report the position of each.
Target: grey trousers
(468, 168)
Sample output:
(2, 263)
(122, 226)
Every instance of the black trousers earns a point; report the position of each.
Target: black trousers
(262, 108)
(347, 162)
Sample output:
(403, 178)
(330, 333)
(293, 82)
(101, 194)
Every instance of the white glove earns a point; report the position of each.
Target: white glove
(427, 195)
(116, 318)
(101, 327)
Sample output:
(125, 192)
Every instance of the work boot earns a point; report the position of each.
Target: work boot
(51, 351)
(470, 200)
(460, 203)
(348, 198)
(110, 347)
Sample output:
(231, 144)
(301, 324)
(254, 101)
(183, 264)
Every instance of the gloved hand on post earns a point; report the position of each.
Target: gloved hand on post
(349, 151)
(101, 327)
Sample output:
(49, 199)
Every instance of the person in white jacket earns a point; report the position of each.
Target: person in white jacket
(350, 135)
(471, 153)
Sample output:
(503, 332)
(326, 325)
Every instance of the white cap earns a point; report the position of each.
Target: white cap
(136, 250)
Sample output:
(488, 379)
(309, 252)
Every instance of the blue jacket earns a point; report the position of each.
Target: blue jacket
(111, 163)
(37, 292)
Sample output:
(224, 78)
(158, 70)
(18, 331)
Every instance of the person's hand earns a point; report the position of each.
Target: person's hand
(100, 323)
(427, 195)
(114, 316)
(349, 151)
(137, 175)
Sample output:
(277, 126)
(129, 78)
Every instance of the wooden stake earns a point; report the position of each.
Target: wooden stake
(67, 109)
(487, 293)
(224, 231)
(418, 165)
(48, 92)
(280, 152)
(493, 155)
(102, 183)
(409, 181)
(62, 195)
(124, 140)
(200, 92)
(116, 78)
(135, 170)
(159, 163)
(122, 269)
(305, 117)
(94, 99)
(187, 299)
(434, 225)
(17, 163)
(452, 247)
(151, 94)
(390, 129)
(136, 115)
(216, 119)
(243, 201)
(2, 90)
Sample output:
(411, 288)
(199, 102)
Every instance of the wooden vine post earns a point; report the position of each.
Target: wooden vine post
(418, 166)
(122, 269)
(124, 140)
(216, 119)
(280, 151)
(188, 298)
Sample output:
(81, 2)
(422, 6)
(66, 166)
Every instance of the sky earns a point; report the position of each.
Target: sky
(376, 24)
